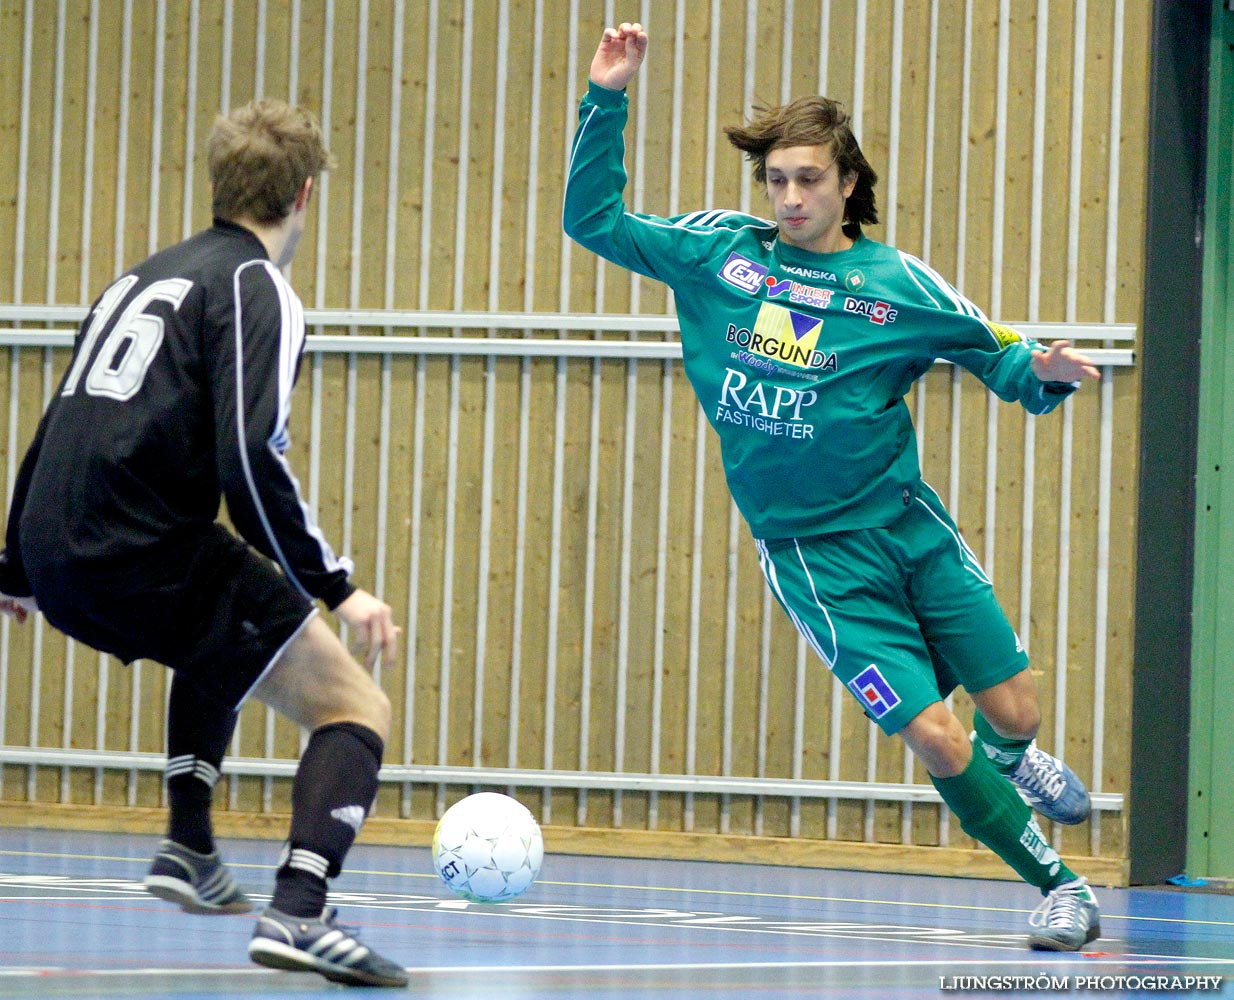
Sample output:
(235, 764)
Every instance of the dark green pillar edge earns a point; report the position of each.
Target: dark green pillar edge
(1168, 359)
(1210, 825)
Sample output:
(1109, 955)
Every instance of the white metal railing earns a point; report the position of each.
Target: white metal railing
(510, 777)
(94, 156)
(1082, 333)
(630, 350)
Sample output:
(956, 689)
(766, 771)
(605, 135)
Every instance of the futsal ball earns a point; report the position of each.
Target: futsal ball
(487, 848)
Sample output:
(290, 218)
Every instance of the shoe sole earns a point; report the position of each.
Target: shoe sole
(1067, 819)
(184, 896)
(1040, 943)
(276, 955)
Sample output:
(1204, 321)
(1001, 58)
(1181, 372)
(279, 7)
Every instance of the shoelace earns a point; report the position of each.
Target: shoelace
(329, 917)
(1061, 907)
(1042, 775)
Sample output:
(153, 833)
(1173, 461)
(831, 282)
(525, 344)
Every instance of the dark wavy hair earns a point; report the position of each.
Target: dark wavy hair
(812, 121)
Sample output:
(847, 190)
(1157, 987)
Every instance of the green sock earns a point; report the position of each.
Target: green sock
(990, 810)
(1005, 754)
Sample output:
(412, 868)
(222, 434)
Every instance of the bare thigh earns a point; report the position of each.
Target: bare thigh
(316, 682)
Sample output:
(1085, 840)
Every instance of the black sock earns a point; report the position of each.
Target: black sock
(334, 787)
(199, 727)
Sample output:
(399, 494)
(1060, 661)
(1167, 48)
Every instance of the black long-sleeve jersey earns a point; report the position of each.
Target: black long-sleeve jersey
(178, 393)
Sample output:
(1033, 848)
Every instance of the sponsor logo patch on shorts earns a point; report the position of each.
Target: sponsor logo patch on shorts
(871, 688)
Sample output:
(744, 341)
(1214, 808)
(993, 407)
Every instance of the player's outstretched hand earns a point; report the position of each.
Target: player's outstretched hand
(20, 608)
(1063, 363)
(619, 56)
(374, 634)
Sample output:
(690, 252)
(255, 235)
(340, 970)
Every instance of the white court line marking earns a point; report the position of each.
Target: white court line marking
(801, 928)
(786, 927)
(119, 897)
(797, 929)
(925, 963)
(740, 893)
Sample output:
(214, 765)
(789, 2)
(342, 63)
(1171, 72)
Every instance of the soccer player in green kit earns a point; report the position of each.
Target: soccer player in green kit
(801, 338)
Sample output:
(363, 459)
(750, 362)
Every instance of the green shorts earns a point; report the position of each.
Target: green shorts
(901, 614)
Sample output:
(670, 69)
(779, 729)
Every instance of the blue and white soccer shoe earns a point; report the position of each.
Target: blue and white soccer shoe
(1049, 785)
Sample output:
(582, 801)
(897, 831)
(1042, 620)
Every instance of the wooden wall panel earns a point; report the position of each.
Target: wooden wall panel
(460, 211)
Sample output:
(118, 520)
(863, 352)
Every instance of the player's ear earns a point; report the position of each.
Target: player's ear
(302, 196)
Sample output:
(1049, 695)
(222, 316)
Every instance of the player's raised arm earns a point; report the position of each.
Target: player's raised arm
(594, 214)
(619, 56)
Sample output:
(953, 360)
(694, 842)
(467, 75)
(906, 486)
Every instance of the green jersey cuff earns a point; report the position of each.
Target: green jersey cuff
(604, 98)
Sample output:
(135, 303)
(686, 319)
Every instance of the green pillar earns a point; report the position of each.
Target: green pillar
(1210, 827)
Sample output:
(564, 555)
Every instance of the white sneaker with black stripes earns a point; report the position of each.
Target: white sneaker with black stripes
(301, 944)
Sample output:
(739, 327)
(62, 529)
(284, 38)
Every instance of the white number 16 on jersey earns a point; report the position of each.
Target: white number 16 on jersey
(120, 367)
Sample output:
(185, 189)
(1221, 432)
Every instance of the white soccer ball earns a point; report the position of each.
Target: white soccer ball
(487, 848)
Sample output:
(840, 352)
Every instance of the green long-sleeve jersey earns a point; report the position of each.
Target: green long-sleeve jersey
(800, 360)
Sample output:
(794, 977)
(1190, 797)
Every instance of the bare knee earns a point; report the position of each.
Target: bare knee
(1011, 707)
(1020, 723)
(376, 710)
(937, 739)
(357, 699)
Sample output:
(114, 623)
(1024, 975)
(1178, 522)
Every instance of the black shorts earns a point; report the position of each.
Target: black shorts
(211, 608)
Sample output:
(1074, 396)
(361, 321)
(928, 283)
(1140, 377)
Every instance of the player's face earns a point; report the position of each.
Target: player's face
(808, 193)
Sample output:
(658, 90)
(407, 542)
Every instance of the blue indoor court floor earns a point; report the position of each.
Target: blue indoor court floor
(76, 923)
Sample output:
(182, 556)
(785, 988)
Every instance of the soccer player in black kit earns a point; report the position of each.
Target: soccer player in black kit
(178, 394)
